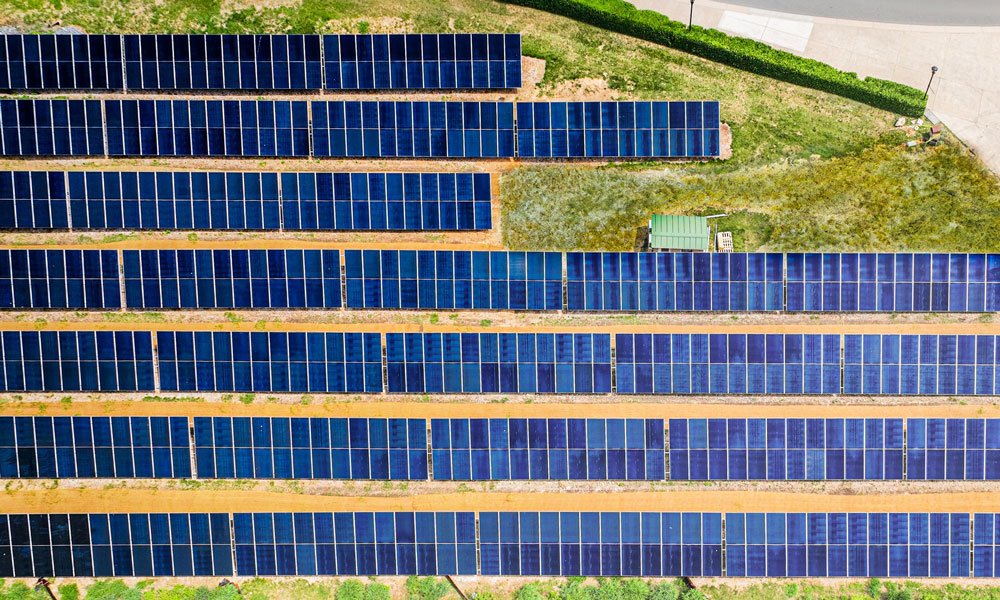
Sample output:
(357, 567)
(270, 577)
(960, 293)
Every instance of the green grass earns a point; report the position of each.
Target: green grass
(884, 198)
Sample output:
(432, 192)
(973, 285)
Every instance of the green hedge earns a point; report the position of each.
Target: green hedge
(742, 53)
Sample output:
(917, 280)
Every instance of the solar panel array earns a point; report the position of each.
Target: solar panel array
(285, 128)
(507, 362)
(617, 129)
(39, 279)
(924, 364)
(248, 200)
(118, 545)
(89, 361)
(683, 363)
(359, 543)
(422, 61)
(601, 544)
(848, 544)
(953, 449)
(81, 447)
(310, 448)
(648, 544)
(786, 449)
(269, 362)
(502, 449)
(669, 281)
(447, 279)
(260, 62)
(232, 278)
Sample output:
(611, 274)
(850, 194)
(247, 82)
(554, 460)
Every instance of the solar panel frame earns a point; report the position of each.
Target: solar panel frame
(60, 62)
(51, 128)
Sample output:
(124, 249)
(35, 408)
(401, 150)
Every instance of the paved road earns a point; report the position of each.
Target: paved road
(914, 12)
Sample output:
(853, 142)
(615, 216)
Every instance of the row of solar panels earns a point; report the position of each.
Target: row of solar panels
(501, 449)
(650, 544)
(218, 200)
(455, 280)
(521, 363)
(414, 61)
(319, 129)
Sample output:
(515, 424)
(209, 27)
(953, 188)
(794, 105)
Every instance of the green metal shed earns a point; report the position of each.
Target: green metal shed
(673, 232)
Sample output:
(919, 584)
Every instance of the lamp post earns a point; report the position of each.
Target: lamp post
(933, 71)
(691, 15)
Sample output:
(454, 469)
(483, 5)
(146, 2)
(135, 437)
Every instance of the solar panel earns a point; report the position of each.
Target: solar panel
(422, 61)
(207, 128)
(504, 449)
(359, 543)
(727, 363)
(32, 200)
(310, 448)
(217, 62)
(986, 538)
(665, 281)
(51, 128)
(56, 361)
(381, 201)
(617, 129)
(601, 544)
(83, 447)
(42, 279)
(847, 544)
(446, 279)
(232, 278)
(413, 129)
(248, 200)
(953, 449)
(786, 449)
(542, 363)
(118, 545)
(269, 362)
(60, 62)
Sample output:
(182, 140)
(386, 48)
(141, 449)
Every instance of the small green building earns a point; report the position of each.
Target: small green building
(672, 232)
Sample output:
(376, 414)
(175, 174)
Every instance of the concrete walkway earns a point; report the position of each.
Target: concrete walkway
(966, 90)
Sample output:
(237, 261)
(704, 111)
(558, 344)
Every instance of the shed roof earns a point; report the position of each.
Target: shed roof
(676, 232)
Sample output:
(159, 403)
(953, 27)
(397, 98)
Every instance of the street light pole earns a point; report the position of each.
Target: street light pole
(933, 71)
(690, 15)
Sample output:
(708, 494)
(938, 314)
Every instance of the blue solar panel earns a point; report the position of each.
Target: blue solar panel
(360, 543)
(446, 279)
(786, 449)
(82, 447)
(381, 201)
(310, 448)
(207, 128)
(233, 200)
(422, 61)
(215, 62)
(503, 449)
(727, 363)
(924, 364)
(617, 129)
(119, 545)
(269, 362)
(33, 200)
(601, 544)
(847, 545)
(60, 62)
(953, 449)
(232, 278)
(664, 281)
(55, 361)
(483, 363)
(51, 128)
(413, 129)
(41, 279)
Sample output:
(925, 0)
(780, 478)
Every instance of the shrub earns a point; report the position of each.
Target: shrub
(352, 589)
(635, 589)
(426, 588)
(742, 53)
(377, 591)
(69, 591)
(529, 591)
(112, 589)
(665, 590)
